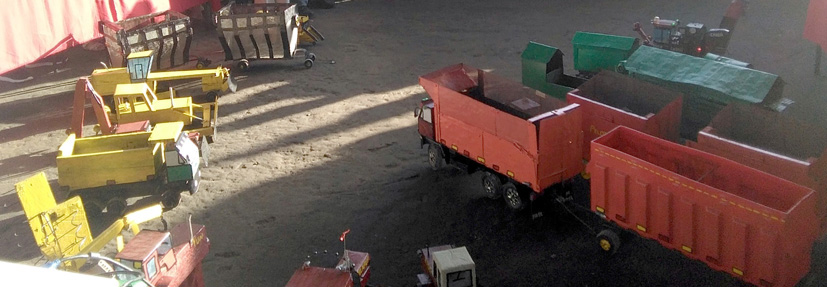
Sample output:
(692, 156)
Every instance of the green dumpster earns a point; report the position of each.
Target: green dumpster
(594, 52)
(543, 71)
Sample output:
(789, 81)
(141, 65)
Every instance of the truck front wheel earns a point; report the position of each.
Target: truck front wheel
(491, 185)
(435, 158)
(513, 199)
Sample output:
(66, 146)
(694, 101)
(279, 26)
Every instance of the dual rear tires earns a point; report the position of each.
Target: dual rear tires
(494, 188)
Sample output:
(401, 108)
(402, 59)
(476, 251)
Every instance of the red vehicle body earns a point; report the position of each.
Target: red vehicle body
(356, 275)
(768, 141)
(522, 139)
(736, 219)
(169, 259)
(611, 99)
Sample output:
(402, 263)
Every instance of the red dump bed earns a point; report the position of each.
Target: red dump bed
(610, 99)
(514, 130)
(753, 225)
(768, 141)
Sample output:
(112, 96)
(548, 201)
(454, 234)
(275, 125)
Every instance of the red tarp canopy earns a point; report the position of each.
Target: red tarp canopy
(33, 29)
(815, 29)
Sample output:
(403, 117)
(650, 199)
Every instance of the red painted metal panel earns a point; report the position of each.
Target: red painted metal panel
(718, 211)
(611, 99)
(531, 137)
(638, 207)
(618, 197)
(768, 141)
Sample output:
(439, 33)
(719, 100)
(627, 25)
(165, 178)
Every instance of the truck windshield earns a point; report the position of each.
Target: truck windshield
(459, 279)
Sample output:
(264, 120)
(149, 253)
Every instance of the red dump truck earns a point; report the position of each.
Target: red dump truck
(522, 140)
(768, 141)
(748, 223)
(612, 99)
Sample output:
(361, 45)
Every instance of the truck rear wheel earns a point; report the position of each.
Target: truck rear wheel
(435, 158)
(491, 185)
(513, 199)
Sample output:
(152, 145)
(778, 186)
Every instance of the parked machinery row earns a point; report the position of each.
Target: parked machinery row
(757, 220)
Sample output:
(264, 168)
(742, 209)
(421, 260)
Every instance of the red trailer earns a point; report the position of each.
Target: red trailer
(353, 270)
(611, 99)
(736, 219)
(523, 140)
(768, 141)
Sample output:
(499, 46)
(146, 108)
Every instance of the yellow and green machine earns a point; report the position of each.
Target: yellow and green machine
(107, 170)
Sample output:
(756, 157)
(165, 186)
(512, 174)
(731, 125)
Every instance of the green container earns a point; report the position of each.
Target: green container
(542, 68)
(707, 85)
(179, 173)
(594, 52)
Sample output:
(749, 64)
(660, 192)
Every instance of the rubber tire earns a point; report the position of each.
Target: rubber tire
(435, 158)
(116, 206)
(491, 185)
(514, 199)
(212, 96)
(243, 65)
(92, 209)
(608, 241)
(308, 63)
(170, 199)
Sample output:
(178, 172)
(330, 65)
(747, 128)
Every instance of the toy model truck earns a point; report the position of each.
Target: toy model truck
(522, 140)
(106, 170)
(139, 70)
(169, 259)
(446, 266)
(353, 270)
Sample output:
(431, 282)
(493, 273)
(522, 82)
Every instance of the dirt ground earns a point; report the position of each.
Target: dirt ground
(304, 154)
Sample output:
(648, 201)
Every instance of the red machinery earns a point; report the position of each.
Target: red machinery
(610, 99)
(83, 92)
(736, 219)
(169, 259)
(694, 38)
(523, 140)
(353, 270)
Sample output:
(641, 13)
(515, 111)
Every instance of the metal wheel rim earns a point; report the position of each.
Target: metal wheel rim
(605, 244)
(512, 196)
(488, 184)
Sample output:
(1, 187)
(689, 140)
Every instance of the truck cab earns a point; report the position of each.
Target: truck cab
(447, 266)
(168, 258)
(425, 113)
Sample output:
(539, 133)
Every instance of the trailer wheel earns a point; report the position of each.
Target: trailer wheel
(609, 241)
(513, 199)
(308, 63)
(435, 156)
(491, 185)
(116, 206)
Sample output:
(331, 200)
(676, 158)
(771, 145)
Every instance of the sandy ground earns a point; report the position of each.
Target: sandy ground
(303, 155)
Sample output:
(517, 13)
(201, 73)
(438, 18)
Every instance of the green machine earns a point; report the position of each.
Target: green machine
(594, 52)
(543, 71)
(707, 84)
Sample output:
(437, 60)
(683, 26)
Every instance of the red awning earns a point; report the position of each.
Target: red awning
(815, 29)
(33, 29)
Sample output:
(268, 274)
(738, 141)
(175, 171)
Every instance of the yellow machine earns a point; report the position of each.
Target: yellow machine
(106, 170)
(308, 33)
(62, 230)
(138, 70)
(137, 102)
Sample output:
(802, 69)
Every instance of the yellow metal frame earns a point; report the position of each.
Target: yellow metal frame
(62, 230)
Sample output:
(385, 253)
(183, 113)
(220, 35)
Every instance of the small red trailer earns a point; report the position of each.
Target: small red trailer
(523, 140)
(736, 219)
(768, 141)
(353, 270)
(611, 99)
